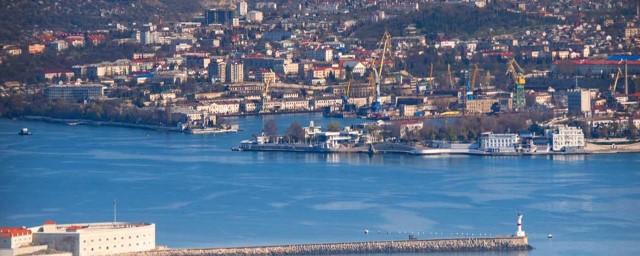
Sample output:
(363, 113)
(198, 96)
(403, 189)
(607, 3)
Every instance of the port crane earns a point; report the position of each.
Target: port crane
(517, 74)
(345, 97)
(265, 92)
(471, 83)
(376, 78)
(611, 95)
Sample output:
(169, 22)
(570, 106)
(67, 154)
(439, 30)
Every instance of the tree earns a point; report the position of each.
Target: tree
(295, 132)
(334, 126)
(270, 128)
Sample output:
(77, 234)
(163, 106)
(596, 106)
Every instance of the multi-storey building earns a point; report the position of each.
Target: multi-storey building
(219, 16)
(73, 92)
(217, 71)
(579, 101)
(96, 238)
(567, 138)
(235, 72)
(499, 142)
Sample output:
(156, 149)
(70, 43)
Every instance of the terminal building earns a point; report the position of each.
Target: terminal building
(78, 239)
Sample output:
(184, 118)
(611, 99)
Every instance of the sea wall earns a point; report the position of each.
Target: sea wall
(402, 246)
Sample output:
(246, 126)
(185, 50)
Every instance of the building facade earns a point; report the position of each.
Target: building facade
(235, 72)
(96, 238)
(72, 92)
(219, 16)
(496, 142)
(567, 138)
(579, 101)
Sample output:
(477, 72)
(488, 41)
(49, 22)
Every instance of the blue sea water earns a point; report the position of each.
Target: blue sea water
(201, 194)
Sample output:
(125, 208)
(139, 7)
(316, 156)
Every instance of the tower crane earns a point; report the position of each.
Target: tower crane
(517, 74)
(385, 46)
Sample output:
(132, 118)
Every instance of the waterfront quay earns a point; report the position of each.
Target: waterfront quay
(392, 137)
(397, 246)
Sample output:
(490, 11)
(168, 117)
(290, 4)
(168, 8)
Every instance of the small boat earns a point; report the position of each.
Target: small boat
(549, 236)
(24, 131)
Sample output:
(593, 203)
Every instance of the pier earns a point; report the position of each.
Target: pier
(398, 246)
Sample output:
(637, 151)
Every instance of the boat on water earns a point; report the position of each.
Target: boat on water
(213, 130)
(24, 131)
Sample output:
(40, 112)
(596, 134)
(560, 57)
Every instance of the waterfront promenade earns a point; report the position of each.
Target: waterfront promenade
(399, 246)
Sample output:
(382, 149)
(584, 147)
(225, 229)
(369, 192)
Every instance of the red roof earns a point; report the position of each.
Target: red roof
(7, 232)
(49, 222)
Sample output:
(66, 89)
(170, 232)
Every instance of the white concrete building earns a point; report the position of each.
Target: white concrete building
(567, 138)
(499, 142)
(96, 238)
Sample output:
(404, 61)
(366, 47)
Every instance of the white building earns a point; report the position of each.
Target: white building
(96, 238)
(18, 241)
(499, 142)
(235, 72)
(78, 239)
(255, 16)
(242, 8)
(564, 138)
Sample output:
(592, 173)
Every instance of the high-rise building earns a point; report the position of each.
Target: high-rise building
(242, 8)
(235, 72)
(219, 16)
(148, 34)
(579, 101)
(217, 71)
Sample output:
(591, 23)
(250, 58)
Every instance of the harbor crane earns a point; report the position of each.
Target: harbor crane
(385, 46)
(345, 98)
(517, 74)
(611, 94)
(265, 92)
(471, 83)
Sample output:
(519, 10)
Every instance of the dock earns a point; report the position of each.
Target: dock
(514, 243)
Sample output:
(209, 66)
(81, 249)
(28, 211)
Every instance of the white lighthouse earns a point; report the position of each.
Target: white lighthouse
(519, 231)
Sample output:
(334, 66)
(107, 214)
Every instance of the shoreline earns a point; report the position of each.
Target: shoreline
(417, 151)
(74, 122)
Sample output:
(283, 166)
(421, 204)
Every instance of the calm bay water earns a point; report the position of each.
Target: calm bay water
(199, 193)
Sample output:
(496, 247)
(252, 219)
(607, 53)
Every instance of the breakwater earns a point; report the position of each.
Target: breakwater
(399, 246)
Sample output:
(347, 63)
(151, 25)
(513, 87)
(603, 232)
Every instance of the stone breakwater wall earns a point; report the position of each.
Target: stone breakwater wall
(402, 246)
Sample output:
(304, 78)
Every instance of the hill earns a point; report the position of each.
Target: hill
(453, 20)
(21, 17)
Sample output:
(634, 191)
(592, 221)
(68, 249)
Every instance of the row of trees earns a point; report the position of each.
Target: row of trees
(469, 129)
(294, 133)
(113, 111)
